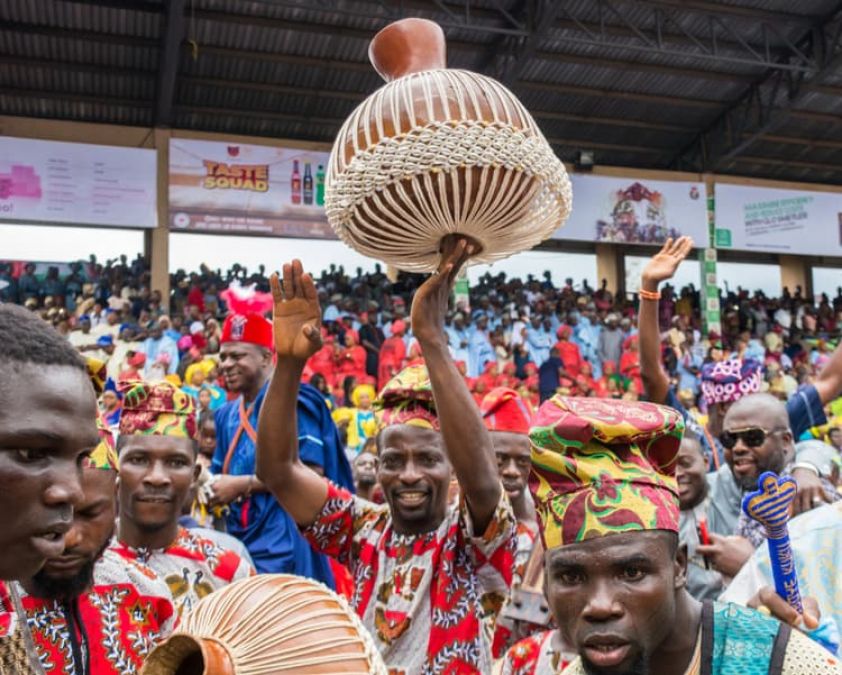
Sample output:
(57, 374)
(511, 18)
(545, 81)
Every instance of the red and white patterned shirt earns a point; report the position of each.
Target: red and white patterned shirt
(425, 598)
(192, 566)
(113, 626)
(535, 655)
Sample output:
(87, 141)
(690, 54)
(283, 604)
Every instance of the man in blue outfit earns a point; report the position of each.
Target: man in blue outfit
(255, 516)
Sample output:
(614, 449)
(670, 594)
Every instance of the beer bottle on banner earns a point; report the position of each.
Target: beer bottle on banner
(295, 183)
(308, 184)
(320, 185)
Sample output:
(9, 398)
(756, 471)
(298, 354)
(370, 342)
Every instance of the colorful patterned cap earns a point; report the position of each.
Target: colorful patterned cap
(104, 455)
(601, 466)
(728, 381)
(157, 408)
(251, 328)
(408, 399)
(98, 373)
(504, 410)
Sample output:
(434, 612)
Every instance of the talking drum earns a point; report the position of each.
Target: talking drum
(437, 152)
(267, 624)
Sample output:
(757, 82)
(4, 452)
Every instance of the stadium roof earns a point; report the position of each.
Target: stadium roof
(749, 87)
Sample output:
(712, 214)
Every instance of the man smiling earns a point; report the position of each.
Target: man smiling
(424, 570)
(608, 505)
(158, 450)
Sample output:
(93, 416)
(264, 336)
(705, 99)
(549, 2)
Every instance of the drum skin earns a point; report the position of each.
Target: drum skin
(437, 152)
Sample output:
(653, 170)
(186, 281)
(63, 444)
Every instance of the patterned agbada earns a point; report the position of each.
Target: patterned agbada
(428, 599)
(603, 467)
(730, 380)
(534, 655)
(114, 625)
(157, 408)
(191, 566)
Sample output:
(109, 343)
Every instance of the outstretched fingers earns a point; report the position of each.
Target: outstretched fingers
(275, 286)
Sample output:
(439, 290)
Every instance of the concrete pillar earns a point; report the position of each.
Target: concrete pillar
(610, 266)
(794, 273)
(158, 243)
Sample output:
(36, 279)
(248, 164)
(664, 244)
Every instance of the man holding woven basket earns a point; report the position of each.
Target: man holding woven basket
(426, 572)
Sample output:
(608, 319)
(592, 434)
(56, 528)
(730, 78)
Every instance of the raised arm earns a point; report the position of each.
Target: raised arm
(467, 442)
(829, 380)
(660, 268)
(297, 318)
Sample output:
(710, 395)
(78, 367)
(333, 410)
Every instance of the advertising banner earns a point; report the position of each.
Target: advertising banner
(247, 189)
(635, 211)
(76, 183)
(778, 221)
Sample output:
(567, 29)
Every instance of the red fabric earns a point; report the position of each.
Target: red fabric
(503, 410)
(322, 362)
(196, 297)
(392, 356)
(342, 579)
(571, 356)
(351, 361)
(250, 328)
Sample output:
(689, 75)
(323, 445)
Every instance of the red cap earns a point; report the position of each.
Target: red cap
(250, 328)
(503, 410)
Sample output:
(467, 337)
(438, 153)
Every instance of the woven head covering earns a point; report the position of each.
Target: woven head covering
(157, 408)
(104, 455)
(504, 410)
(728, 381)
(97, 372)
(601, 467)
(408, 399)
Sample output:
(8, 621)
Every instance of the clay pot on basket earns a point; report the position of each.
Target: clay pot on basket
(268, 624)
(437, 152)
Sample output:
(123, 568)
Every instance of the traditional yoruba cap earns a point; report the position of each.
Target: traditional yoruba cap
(104, 455)
(157, 408)
(728, 381)
(246, 323)
(504, 410)
(361, 389)
(408, 399)
(398, 327)
(601, 467)
(137, 359)
(97, 372)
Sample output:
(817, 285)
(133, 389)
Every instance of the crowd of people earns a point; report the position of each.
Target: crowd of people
(542, 478)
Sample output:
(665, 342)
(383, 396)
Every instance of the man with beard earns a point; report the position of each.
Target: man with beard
(255, 517)
(722, 384)
(158, 450)
(47, 428)
(426, 571)
(756, 438)
(88, 610)
(365, 475)
(607, 501)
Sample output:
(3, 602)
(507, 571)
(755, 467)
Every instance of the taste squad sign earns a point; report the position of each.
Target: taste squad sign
(247, 189)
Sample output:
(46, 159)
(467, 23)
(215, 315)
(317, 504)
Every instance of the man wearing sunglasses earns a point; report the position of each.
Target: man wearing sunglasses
(725, 383)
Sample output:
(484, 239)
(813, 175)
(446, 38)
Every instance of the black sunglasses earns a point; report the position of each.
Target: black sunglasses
(752, 437)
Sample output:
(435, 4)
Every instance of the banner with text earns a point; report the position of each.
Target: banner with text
(241, 189)
(632, 211)
(78, 183)
(778, 221)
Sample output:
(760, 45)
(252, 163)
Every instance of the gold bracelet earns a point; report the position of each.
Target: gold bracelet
(649, 295)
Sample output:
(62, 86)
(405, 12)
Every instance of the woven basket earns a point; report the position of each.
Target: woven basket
(266, 625)
(436, 152)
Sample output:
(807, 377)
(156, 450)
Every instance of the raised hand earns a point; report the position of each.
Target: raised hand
(297, 316)
(429, 305)
(666, 261)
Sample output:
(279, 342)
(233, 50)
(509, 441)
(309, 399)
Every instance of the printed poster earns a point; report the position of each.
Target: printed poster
(774, 220)
(635, 210)
(77, 183)
(247, 189)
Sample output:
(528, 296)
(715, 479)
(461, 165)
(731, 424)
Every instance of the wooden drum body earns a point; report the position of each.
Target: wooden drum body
(437, 152)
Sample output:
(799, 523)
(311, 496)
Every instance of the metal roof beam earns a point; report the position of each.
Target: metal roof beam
(655, 33)
(169, 60)
(767, 104)
(780, 162)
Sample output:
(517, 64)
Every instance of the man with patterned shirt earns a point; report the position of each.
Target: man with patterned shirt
(607, 501)
(425, 572)
(157, 447)
(88, 611)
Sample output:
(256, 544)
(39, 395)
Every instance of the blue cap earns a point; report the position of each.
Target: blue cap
(105, 340)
